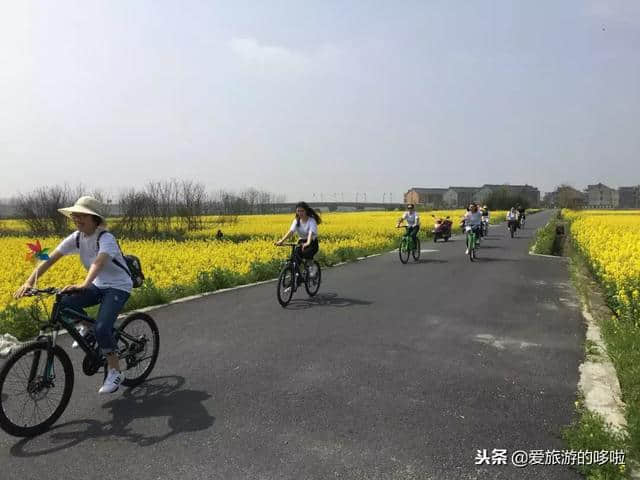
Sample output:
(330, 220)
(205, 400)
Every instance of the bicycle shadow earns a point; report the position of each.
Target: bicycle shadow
(493, 259)
(325, 300)
(424, 260)
(158, 397)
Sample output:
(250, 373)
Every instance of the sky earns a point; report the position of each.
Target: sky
(319, 98)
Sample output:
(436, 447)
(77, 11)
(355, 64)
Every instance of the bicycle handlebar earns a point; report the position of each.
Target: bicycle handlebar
(32, 292)
(287, 245)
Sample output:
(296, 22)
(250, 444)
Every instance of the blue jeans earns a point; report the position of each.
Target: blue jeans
(111, 301)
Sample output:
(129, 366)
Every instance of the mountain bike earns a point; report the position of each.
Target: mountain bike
(472, 243)
(293, 274)
(408, 246)
(37, 379)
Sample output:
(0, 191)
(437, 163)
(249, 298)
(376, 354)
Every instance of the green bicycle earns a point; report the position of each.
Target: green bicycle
(472, 243)
(408, 246)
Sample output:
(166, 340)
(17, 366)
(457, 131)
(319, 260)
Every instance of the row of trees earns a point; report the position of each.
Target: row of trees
(163, 206)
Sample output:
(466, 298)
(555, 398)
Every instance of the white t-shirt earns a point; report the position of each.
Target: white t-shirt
(111, 275)
(412, 218)
(303, 229)
(511, 215)
(473, 219)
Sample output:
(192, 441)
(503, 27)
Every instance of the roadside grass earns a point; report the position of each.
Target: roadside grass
(589, 432)
(622, 340)
(545, 241)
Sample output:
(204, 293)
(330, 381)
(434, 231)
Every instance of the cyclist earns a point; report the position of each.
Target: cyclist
(521, 214)
(473, 219)
(106, 283)
(306, 226)
(512, 216)
(413, 222)
(485, 215)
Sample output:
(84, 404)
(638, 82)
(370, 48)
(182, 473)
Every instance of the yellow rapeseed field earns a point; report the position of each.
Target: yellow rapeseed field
(611, 243)
(168, 262)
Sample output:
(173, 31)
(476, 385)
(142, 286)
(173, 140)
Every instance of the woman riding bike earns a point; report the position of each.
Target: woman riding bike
(107, 284)
(306, 226)
(413, 222)
(473, 219)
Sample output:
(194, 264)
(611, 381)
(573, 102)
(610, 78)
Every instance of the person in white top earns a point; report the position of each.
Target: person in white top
(512, 216)
(108, 282)
(413, 222)
(473, 219)
(305, 225)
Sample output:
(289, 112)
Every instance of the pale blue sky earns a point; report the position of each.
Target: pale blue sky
(309, 97)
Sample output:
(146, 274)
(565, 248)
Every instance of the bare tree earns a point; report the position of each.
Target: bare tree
(39, 209)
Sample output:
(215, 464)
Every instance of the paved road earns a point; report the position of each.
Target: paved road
(394, 372)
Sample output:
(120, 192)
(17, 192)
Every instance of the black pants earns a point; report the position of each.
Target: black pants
(308, 252)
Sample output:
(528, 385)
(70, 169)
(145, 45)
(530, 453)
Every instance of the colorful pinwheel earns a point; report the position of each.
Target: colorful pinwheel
(37, 252)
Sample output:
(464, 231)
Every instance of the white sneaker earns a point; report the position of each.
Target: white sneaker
(82, 330)
(466, 252)
(112, 382)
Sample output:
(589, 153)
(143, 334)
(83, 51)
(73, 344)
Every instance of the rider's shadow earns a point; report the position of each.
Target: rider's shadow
(156, 398)
(325, 300)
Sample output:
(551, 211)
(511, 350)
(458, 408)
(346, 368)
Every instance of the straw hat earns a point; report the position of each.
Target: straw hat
(88, 205)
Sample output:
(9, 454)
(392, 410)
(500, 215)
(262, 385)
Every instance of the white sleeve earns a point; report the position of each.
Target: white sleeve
(293, 225)
(109, 245)
(405, 215)
(313, 226)
(417, 219)
(68, 245)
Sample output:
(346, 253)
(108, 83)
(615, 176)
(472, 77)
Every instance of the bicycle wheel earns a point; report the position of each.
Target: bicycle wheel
(403, 250)
(285, 285)
(512, 229)
(313, 277)
(138, 341)
(33, 396)
(416, 251)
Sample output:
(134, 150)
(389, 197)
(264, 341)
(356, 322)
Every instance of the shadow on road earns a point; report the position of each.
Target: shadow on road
(424, 260)
(158, 397)
(494, 259)
(325, 300)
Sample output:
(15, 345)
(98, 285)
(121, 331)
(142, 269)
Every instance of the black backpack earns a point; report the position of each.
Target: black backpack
(133, 267)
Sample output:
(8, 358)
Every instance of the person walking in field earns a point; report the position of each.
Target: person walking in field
(108, 282)
(305, 225)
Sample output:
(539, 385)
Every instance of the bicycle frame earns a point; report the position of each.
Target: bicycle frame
(66, 318)
(406, 237)
(292, 261)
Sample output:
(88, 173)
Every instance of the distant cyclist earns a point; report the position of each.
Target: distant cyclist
(473, 219)
(512, 216)
(485, 216)
(306, 226)
(413, 222)
(521, 214)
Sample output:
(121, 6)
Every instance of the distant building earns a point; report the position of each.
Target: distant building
(458, 197)
(432, 197)
(601, 196)
(629, 197)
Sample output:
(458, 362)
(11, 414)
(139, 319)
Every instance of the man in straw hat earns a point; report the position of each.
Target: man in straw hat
(108, 282)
